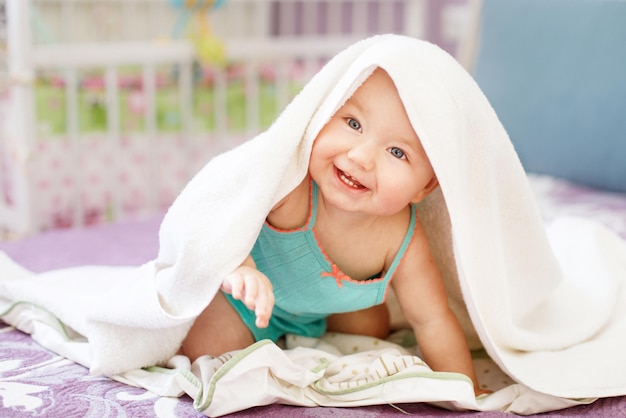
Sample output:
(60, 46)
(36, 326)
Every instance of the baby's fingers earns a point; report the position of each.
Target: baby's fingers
(264, 307)
(251, 289)
(254, 290)
(234, 284)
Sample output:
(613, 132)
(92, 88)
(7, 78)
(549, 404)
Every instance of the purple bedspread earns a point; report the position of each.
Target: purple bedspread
(35, 382)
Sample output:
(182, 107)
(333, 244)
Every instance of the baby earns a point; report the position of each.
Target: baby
(337, 242)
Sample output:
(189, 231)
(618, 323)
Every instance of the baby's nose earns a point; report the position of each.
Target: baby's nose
(363, 155)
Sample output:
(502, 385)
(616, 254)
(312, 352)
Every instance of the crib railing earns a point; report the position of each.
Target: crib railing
(68, 21)
(272, 48)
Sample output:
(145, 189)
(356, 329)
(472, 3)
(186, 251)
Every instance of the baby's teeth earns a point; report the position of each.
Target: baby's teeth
(349, 181)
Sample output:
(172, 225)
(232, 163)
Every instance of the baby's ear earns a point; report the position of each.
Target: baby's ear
(430, 186)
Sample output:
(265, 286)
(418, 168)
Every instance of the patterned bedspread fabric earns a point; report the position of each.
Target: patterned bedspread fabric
(37, 382)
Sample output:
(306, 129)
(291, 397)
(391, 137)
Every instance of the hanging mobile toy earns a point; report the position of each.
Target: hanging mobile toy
(209, 49)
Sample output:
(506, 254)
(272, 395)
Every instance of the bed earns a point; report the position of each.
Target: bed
(37, 382)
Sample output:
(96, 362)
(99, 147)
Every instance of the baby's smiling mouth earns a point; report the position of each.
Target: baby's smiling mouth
(349, 180)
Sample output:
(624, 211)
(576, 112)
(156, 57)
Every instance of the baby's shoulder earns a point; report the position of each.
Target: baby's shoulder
(291, 211)
(401, 229)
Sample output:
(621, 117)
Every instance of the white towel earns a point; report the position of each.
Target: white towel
(552, 318)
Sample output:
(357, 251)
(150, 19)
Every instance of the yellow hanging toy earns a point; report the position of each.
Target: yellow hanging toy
(209, 49)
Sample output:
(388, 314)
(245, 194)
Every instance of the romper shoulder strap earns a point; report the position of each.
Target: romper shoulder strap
(313, 190)
(405, 244)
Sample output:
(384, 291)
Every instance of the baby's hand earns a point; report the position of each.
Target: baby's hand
(253, 288)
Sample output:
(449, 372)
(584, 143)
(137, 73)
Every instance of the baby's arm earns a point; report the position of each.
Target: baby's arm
(253, 288)
(424, 302)
(247, 283)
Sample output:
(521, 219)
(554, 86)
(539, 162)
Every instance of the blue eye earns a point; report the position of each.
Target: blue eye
(397, 152)
(354, 124)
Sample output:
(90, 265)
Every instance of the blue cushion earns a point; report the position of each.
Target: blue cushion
(555, 72)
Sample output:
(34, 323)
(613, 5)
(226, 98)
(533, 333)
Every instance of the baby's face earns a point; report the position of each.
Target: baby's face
(368, 158)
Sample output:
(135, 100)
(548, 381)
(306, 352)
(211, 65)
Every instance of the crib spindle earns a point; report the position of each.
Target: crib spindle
(334, 17)
(310, 18)
(415, 18)
(287, 22)
(185, 87)
(360, 16)
(18, 214)
(220, 104)
(74, 145)
(150, 190)
(114, 138)
(281, 84)
(385, 20)
(253, 99)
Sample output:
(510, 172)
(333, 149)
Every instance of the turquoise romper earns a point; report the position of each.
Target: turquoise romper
(307, 285)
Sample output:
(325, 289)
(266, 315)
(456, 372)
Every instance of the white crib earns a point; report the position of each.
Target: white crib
(106, 113)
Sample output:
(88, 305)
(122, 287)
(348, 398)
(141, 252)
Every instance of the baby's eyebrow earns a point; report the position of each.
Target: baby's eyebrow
(354, 101)
(406, 144)
(409, 142)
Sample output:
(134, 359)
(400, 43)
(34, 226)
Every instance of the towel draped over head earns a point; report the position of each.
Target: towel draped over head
(531, 309)
(483, 223)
